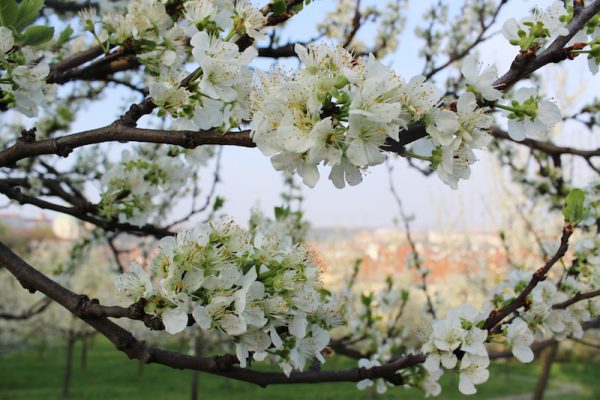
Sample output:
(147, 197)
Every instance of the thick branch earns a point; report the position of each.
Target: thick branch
(58, 69)
(63, 6)
(63, 146)
(123, 340)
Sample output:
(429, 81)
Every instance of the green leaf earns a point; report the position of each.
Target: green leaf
(389, 282)
(219, 201)
(279, 7)
(36, 35)
(297, 8)
(9, 10)
(29, 10)
(64, 36)
(405, 295)
(366, 299)
(281, 213)
(574, 210)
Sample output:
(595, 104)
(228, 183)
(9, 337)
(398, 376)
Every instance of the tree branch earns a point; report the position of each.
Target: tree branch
(64, 145)
(113, 225)
(526, 63)
(34, 310)
(577, 298)
(496, 316)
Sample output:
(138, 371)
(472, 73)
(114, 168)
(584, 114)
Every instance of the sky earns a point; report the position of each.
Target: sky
(248, 179)
(248, 176)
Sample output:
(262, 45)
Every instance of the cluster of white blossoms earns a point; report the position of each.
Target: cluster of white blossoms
(459, 333)
(458, 342)
(539, 29)
(265, 295)
(453, 134)
(543, 26)
(541, 318)
(203, 33)
(550, 310)
(150, 175)
(337, 110)
(340, 111)
(22, 71)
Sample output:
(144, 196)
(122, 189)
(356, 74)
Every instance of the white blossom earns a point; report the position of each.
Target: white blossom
(473, 371)
(537, 117)
(520, 338)
(480, 81)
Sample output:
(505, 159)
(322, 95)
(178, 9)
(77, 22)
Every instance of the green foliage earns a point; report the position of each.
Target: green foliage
(279, 7)
(18, 16)
(28, 13)
(36, 35)
(574, 210)
(218, 204)
(65, 36)
(405, 295)
(9, 11)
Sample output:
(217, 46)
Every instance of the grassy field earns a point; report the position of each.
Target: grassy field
(110, 375)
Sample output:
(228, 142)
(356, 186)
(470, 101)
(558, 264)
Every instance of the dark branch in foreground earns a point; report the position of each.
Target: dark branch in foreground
(97, 316)
(33, 280)
(64, 6)
(64, 145)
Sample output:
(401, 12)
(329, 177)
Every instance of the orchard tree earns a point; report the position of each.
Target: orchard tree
(196, 65)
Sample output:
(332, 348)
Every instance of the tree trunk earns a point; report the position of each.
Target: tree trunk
(41, 350)
(68, 366)
(84, 353)
(547, 358)
(194, 390)
(140, 371)
(196, 374)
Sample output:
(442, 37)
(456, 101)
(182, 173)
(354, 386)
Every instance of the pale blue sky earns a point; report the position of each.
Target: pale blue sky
(248, 176)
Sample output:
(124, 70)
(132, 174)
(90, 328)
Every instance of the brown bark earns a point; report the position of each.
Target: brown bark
(196, 374)
(140, 370)
(68, 366)
(547, 358)
(84, 354)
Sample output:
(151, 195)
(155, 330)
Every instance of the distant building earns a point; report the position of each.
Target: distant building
(19, 222)
(387, 252)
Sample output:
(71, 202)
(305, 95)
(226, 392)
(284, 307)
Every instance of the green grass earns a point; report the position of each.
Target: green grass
(110, 375)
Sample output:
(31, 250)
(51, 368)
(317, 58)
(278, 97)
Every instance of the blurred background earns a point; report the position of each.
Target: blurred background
(466, 241)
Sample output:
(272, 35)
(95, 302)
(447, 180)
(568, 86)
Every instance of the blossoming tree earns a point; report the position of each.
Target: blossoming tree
(343, 112)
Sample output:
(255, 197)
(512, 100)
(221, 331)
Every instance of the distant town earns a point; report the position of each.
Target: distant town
(381, 252)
